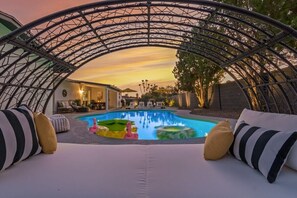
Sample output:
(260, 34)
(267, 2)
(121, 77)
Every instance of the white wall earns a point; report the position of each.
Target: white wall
(72, 92)
(113, 102)
(94, 93)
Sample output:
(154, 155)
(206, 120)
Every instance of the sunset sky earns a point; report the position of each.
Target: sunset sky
(124, 68)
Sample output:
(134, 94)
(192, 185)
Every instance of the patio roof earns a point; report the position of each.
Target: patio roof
(96, 84)
(259, 53)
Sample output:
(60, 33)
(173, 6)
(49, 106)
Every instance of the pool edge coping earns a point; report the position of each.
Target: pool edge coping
(178, 112)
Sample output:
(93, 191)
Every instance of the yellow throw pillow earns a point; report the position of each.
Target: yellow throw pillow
(46, 133)
(218, 141)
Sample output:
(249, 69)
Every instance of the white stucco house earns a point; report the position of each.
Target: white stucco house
(101, 96)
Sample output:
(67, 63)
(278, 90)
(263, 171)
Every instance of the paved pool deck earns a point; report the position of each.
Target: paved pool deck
(79, 131)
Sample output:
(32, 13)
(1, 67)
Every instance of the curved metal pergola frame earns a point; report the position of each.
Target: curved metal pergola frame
(259, 53)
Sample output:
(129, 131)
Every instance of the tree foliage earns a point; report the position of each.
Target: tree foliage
(253, 71)
(281, 10)
(157, 93)
(196, 74)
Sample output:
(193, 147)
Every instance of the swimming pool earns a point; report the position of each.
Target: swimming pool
(148, 121)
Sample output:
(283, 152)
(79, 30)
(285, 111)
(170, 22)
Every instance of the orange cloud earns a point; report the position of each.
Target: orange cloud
(129, 67)
(30, 10)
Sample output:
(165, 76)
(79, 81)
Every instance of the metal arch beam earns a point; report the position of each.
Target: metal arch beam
(237, 71)
(42, 83)
(50, 95)
(237, 41)
(100, 20)
(212, 38)
(160, 22)
(177, 30)
(283, 93)
(190, 2)
(138, 34)
(256, 83)
(281, 72)
(266, 84)
(189, 8)
(292, 50)
(283, 58)
(25, 86)
(135, 44)
(148, 21)
(74, 17)
(205, 21)
(210, 17)
(102, 10)
(13, 49)
(89, 45)
(80, 26)
(208, 30)
(201, 2)
(178, 4)
(139, 15)
(258, 48)
(238, 66)
(247, 97)
(274, 79)
(15, 62)
(270, 43)
(51, 83)
(23, 81)
(17, 73)
(41, 53)
(213, 59)
(142, 22)
(267, 106)
(29, 51)
(94, 31)
(35, 81)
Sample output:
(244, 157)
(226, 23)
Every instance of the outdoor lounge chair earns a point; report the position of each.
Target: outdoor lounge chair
(160, 105)
(141, 105)
(149, 104)
(78, 108)
(64, 107)
(131, 105)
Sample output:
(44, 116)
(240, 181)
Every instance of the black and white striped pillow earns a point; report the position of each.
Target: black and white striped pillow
(18, 138)
(262, 149)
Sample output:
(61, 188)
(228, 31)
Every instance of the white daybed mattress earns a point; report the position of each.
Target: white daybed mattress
(150, 171)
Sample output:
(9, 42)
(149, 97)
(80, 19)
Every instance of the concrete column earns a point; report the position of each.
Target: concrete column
(119, 98)
(106, 98)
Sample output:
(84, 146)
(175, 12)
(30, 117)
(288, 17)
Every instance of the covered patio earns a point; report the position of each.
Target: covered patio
(97, 96)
